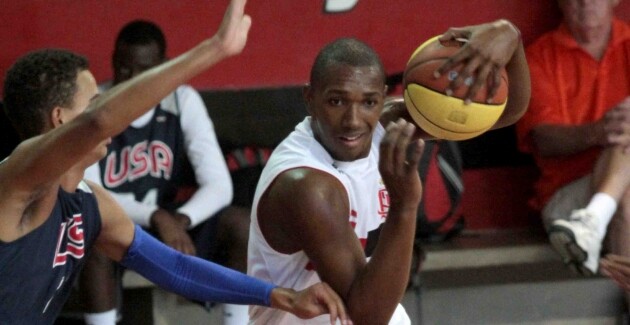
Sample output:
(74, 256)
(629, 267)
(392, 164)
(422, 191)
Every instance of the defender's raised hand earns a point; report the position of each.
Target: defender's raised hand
(232, 33)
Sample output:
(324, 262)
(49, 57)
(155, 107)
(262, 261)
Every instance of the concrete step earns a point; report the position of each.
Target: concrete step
(482, 277)
(507, 277)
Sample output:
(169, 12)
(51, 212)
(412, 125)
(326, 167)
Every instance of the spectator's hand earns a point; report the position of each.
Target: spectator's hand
(616, 125)
(172, 230)
(617, 268)
(315, 300)
(487, 49)
(232, 34)
(398, 164)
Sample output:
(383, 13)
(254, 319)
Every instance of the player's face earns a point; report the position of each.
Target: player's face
(345, 108)
(87, 91)
(131, 60)
(587, 13)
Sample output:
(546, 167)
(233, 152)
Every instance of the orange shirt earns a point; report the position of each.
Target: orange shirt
(569, 87)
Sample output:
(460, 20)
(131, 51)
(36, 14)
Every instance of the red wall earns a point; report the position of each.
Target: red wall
(285, 36)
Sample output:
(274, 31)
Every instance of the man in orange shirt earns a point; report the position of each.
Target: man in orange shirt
(578, 129)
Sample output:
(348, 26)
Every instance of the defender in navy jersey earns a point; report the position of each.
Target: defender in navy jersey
(50, 220)
(37, 268)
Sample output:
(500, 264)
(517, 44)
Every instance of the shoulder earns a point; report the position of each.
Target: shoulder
(186, 92)
(309, 187)
(103, 197)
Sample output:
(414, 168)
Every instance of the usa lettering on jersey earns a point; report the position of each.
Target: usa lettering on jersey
(143, 158)
(70, 241)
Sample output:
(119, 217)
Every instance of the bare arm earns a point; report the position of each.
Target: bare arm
(117, 235)
(562, 140)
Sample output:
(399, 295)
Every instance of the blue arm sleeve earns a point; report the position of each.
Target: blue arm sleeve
(193, 277)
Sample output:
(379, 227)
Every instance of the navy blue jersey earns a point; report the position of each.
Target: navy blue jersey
(143, 161)
(37, 270)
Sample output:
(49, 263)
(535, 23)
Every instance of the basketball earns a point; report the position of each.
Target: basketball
(447, 117)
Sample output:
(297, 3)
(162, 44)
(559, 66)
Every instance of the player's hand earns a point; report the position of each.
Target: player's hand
(616, 125)
(617, 268)
(172, 230)
(486, 50)
(315, 300)
(398, 164)
(232, 34)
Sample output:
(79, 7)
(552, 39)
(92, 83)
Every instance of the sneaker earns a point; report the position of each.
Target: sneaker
(577, 241)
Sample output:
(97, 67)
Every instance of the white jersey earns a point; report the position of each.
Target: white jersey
(369, 203)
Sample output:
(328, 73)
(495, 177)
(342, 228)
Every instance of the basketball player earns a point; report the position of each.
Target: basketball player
(344, 185)
(51, 219)
(175, 136)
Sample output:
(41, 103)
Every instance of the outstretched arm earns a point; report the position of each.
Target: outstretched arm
(199, 279)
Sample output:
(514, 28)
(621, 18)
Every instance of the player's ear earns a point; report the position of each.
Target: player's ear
(56, 116)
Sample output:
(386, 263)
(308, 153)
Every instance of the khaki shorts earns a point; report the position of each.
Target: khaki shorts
(575, 195)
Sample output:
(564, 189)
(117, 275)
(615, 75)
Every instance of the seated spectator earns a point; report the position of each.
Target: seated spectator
(578, 130)
(145, 166)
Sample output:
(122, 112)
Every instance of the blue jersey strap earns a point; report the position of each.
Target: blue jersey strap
(193, 277)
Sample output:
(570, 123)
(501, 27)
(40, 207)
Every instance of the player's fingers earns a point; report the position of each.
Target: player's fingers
(480, 80)
(453, 36)
(416, 148)
(387, 146)
(466, 74)
(402, 143)
(451, 63)
(336, 307)
(494, 82)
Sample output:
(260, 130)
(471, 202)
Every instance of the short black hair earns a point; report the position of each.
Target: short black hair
(142, 32)
(38, 82)
(348, 51)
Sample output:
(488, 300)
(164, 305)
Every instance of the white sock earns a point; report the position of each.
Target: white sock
(104, 318)
(235, 314)
(603, 206)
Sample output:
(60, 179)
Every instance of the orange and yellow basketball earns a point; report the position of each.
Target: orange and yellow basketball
(447, 117)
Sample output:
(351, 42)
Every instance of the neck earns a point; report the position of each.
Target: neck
(593, 39)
